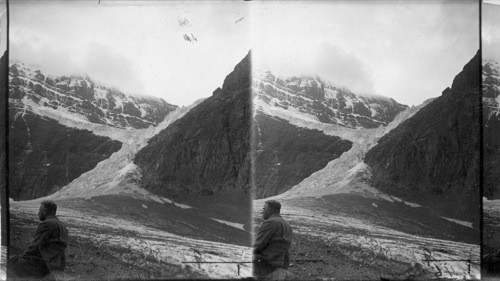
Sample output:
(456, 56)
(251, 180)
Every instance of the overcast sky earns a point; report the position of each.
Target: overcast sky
(491, 31)
(3, 26)
(407, 50)
(138, 48)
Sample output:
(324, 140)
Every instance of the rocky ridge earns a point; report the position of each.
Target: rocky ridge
(432, 158)
(491, 129)
(323, 101)
(207, 151)
(81, 98)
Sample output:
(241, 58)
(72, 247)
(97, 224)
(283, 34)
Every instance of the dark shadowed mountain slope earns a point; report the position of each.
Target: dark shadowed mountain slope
(491, 130)
(286, 154)
(207, 151)
(45, 155)
(3, 145)
(433, 158)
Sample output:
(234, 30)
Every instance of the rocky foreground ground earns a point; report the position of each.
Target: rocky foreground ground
(350, 237)
(118, 238)
(361, 238)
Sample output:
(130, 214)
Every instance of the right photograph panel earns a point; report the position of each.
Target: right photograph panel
(491, 141)
(366, 140)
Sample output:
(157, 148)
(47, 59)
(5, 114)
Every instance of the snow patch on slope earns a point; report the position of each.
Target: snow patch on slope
(118, 174)
(233, 224)
(348, 173)
(464, 223)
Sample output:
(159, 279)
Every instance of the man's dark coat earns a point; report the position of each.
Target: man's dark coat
(273, 242)
(46, 250)
(50, 241)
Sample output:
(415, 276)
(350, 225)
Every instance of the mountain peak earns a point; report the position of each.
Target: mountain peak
(468, 78)
(312, 97)
(240, 76)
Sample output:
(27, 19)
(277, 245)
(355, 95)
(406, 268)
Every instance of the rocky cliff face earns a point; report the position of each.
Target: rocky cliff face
(286, 154)
(82, 98)
(3, 145)
(323, 101)
(491, 130)
(207, 151)
(433, 158)
(45, 155)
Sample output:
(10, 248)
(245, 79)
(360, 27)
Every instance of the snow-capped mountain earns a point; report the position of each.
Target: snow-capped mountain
(413, 158)
(162, 232)
(61, 127)
(411, 185)
(491, 129)
(323, 101)
(79, 97)
(491, 81)
(301, 124)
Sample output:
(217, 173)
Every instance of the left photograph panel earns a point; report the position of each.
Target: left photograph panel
(3, 138)
(128, 140)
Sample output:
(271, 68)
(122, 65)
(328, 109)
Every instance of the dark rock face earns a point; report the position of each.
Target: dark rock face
(3, 145)
(491, 130)
(207, 151)
(433, 158)
(325, 101)
(81, 95)
(45, 155)
(286, 154)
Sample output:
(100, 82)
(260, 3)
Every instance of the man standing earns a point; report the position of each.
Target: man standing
(272, 242)
(47, 250)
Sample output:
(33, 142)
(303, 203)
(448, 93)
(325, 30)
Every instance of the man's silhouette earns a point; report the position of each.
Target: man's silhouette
(272, 242)
(47, 250)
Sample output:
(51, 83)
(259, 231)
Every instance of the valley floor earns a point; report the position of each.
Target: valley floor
(355, 237)
(361, 238)
(115, 238)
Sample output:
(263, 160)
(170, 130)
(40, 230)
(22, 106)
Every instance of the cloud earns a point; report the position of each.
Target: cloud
(34, 50)
(491, 32)
(100, 62)
(343, 68)
(328, 61)
(103, 64)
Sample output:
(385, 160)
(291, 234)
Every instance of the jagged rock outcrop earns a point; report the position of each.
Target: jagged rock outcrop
(83, 98)
(207, 151)
(45, 155)
(491, 130)
(323, 101)
(286, 154)
(433, 158)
